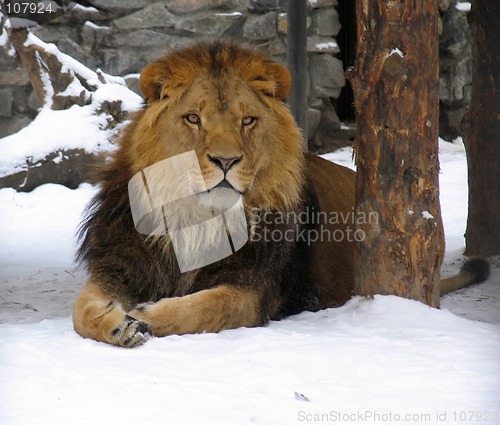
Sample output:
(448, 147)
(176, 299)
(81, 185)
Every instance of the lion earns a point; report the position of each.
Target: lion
(225, 104)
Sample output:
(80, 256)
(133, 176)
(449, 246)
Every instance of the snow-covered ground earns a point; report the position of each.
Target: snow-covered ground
(386, 360)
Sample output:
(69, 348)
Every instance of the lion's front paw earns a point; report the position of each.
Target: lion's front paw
(131, 333)
(143, 312)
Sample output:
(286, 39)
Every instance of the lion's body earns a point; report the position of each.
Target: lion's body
(226, 104)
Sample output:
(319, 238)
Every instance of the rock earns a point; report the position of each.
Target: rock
(78, 14)
(132, 81)
(6, 101)
(69, 47)
(209, 24)
(313, 117)
(34, 103)
(328, 133)
(314, 4)
(327, 76)
(455, 70)
(272, 48)
(267, 5)
(11, 125)
(325, 22)
(141, 38)
(120, 5)
(69, 168)
(189, 6)
(260, 27)
(54, 33)
(14, 77)
(96, 36)
(155, 15)
(119, 61)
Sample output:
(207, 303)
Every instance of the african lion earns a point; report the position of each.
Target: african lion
(226, 104)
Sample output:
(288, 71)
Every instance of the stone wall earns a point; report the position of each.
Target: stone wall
(455, 75)
(121, 36)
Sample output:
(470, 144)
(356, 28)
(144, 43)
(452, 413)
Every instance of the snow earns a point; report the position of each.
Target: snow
(381, 360)
(80, 8)
(463, 6)
(427, 215)
(387, 356)
(4, 39)
(95, 26)
(328, 45)
(229, 14)
(396, 51)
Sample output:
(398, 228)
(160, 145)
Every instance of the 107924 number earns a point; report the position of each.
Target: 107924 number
(23, 8)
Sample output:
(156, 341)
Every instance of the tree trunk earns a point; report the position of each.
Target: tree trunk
(481, 128)
(395, 82)
(49, 77)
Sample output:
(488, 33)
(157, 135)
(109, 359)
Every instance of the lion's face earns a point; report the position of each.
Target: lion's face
(244, 137)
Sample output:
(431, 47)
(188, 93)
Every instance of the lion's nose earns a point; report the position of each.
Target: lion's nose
(224, 163)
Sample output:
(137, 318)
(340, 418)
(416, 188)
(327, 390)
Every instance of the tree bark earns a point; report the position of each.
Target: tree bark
(481, 128)
(395, 82)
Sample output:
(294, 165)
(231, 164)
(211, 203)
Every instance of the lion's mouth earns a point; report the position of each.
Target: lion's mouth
(220, 197)
(223, 184)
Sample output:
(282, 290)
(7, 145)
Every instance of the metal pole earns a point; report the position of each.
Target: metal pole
(297, 61)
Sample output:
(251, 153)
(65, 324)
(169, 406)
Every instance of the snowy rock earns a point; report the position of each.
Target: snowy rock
(317, 44)
(69, 168)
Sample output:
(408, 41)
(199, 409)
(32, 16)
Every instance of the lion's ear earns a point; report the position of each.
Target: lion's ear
(282, 78)
(153, 80)
(270, 78)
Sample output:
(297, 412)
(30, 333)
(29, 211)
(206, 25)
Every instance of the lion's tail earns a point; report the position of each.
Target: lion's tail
(475, 270)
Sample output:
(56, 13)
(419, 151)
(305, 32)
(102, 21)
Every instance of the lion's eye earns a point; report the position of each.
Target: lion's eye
(248, 121)
(193, 119)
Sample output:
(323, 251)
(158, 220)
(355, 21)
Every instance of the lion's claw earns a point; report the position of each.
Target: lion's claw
(131, 333)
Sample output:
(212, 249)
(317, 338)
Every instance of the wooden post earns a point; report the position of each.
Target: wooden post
(297, 61)
(395, 82)
(481, 128)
